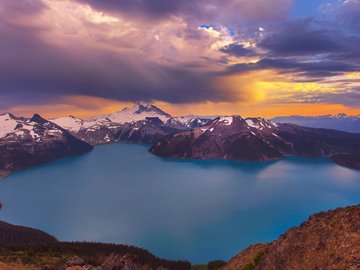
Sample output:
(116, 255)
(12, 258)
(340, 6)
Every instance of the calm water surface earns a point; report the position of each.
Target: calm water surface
(194, 210)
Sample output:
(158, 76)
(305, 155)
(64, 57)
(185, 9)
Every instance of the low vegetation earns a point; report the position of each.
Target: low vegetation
(34, 247)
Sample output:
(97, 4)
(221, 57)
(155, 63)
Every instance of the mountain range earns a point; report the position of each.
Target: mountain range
(28, 142)
(255, 139)
(343, 122)
(143, 123)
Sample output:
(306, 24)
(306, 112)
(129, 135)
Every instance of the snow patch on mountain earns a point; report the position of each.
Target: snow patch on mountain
(8, 123)
(227, 120)
(69, 123)
(260, 123)
(137, 113)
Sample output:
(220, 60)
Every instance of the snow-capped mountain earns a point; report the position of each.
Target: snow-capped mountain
(339, 122)
(26, 143)
(94, 131)
(137, 113)
(142, 123)
(255, 139)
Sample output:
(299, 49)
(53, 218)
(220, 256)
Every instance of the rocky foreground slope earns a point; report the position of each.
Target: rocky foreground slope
(327, 241)
(26, 143)
(255, 139)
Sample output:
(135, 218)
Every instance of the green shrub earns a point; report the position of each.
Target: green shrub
(199, 267)
(258, 257)
(256, 260)
(248, 266)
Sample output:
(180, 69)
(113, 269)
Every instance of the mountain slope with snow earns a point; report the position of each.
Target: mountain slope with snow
(8, 123)
(33, 142)
(70, 123)
(137, 113)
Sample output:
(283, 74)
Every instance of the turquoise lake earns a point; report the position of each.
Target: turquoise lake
(193, 210)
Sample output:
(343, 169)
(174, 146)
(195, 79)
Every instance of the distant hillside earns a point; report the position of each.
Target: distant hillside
(328, 240)
(341, 122)
(30, 248)
(12, 235)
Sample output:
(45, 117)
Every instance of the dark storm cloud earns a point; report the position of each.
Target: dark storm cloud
(302, 37)
(348, 13)
(241, 13)
(32, 70)
(310, 69)
(306, 47)
(152, 8)
(237, 50)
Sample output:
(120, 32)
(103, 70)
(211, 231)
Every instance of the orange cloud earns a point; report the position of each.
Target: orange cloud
(84, 107)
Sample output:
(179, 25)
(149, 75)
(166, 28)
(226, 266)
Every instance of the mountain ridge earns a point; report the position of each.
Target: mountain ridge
(343, 122)
(138, 122)
(255, 139)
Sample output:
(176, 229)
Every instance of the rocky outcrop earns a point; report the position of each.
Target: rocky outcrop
(36, 141)
(254, 139)
(328, 240)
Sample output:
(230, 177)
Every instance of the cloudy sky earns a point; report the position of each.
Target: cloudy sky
(254, 58)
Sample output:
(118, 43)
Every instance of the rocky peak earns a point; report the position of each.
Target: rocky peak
(139, 108)
(6, 116)
(38, 119)
(342, 115)
(154, 120)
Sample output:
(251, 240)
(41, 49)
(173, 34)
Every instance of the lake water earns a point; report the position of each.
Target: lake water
(194, 210)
